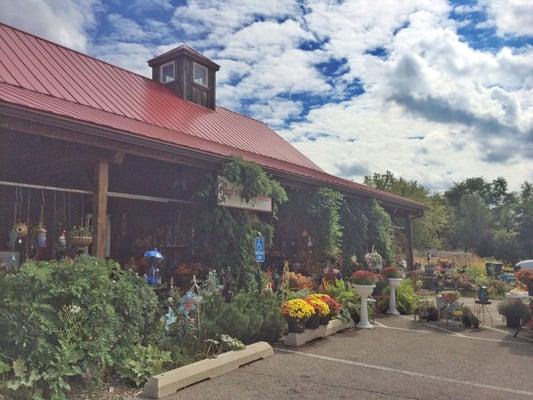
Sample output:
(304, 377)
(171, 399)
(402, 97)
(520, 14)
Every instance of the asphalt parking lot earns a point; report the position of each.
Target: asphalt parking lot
(399, 359)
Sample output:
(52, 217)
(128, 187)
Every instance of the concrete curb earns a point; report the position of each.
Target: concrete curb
(169, 382)
(299, 339)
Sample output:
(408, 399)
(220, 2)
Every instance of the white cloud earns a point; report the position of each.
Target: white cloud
(435, 108)
(510, 17)
(66, 22)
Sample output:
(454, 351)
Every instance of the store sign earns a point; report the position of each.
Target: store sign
(229, 195)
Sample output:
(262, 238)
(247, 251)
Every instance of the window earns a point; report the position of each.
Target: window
(167, 72)
(199, 74)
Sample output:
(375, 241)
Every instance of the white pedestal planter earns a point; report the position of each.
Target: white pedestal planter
(333, 326)
(364, 291)
(394, 283)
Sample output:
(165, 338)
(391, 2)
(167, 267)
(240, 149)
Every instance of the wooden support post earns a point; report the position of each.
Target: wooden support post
(409, 237)
(101, 178)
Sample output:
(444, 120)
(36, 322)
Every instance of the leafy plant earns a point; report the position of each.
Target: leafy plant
(67, 319)
(406, 298)
(139, 363)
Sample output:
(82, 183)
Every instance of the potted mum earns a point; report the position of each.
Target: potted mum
(321, 316)
(364, 283)
(526, 277)
(333, 305)
(515, 312)
(393, 276)
(297, 312)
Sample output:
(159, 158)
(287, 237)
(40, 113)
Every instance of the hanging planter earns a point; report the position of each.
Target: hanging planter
(81, 237)
(40, 233)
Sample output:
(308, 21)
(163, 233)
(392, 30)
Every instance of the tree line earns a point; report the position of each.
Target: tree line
(472, 215)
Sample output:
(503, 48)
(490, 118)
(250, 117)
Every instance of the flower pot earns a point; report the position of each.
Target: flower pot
(394, 284)
(364, 291)
(41, 237)
(530, 288)
(325, 320)
(513, 321)
(313, 322)
(296, 325)
(81, 241)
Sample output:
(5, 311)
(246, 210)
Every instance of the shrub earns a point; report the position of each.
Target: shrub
(250, 317)
(497, 289)
(64, 319)
(513, 308)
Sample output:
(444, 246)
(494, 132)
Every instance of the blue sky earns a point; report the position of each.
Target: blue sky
(432, 90)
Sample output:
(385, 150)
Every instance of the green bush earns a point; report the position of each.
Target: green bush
(139, 363)
(249, 317)
(66, 319)
(406, 298)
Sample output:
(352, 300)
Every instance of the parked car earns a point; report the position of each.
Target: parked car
(525, 264)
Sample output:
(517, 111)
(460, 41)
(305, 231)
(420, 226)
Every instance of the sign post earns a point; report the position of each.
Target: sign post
(259, 258)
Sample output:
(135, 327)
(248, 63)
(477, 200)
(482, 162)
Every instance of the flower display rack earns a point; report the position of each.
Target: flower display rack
(299, 339)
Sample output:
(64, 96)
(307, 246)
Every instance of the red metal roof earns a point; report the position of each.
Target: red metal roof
(44, 76)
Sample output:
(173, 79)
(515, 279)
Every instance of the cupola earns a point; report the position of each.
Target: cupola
(188, 73)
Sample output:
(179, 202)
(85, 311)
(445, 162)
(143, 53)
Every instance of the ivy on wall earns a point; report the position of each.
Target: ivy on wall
(225, 235)
(355, 217)
(309, 228)
(380, 232)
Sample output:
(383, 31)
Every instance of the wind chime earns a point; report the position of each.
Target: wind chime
(19, 229)
(41, 231)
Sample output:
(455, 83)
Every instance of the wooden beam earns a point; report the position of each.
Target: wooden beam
(101, 175)
(409, 238)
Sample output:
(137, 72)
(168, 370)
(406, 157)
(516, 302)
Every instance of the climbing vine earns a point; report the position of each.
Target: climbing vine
(225, 235)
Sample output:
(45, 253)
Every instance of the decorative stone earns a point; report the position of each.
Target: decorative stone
(169, 382)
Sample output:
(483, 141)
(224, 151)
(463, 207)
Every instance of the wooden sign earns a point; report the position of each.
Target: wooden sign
(229, 195)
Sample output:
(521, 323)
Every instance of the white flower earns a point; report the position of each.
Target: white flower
(74, 309)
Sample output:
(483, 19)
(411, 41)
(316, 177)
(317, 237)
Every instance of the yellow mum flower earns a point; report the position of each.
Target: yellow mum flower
(318, 305)
(297, 308)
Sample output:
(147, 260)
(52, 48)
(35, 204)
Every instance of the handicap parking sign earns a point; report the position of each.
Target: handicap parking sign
(259, 249)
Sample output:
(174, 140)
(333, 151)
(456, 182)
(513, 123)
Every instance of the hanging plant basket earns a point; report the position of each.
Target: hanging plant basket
(81, 241)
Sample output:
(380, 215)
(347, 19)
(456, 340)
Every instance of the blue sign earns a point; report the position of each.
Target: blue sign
(259, 249)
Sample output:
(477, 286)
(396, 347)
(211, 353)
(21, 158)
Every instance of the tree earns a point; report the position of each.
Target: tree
(473, 223)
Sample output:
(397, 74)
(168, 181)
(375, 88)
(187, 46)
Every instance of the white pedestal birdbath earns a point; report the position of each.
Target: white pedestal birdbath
(394, 283)
(364, 291)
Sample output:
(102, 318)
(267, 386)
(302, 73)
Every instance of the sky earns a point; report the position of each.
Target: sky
(435, 91)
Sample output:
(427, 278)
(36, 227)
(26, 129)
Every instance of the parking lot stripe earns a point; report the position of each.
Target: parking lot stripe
(406, 372)
(400, 329)
(519, 340)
